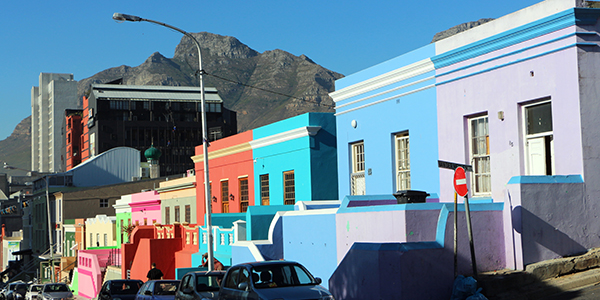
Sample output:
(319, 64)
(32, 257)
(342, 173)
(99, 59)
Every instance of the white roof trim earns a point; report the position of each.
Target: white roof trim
(285, 136)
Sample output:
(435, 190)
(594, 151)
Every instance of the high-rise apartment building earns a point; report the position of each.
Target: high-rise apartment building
(49, 100)
(165, 117)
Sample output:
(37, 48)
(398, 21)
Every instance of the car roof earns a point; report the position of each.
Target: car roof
(213, 272)
(268, 263)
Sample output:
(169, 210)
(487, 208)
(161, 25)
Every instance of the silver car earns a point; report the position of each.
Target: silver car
(55, 291)
(33, 291)
(271, 280)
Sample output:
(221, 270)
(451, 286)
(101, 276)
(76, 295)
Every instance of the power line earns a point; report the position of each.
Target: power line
(268, 91)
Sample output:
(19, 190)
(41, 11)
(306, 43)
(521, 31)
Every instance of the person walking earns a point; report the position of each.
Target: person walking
(154, 273)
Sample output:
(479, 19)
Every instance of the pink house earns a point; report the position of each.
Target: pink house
(145, 208)
(91, 267)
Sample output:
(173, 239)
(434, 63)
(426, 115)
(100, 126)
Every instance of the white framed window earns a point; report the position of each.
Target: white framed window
(539, 139)
(479, 150)
(357, 176)
(402, 152)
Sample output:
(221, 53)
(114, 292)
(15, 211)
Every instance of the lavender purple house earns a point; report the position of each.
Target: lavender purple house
(515, 98)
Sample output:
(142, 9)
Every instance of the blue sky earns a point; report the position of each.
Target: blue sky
(80, 37)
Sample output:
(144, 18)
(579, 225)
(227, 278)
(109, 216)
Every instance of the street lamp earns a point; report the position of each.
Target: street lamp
(124, 17)
(45, 177)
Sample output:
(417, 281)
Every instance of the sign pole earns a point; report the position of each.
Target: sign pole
(469, 228)
(455, 235)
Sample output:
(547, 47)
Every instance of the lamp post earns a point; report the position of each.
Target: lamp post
(124, 17)
(45, 177)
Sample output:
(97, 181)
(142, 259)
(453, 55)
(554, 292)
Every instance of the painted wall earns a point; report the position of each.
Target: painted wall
(290, 145)
(546, 226)
(90, 264)
(123, 218)
(145, 208)
(100, 231)
(230, 158)
(507, 86)
(178, 192)
(398, 97)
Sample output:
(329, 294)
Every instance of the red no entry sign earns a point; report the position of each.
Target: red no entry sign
(460, 182)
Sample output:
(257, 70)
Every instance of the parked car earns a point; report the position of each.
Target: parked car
(55, 291)
(8, 288)
(158, 290)
(18, 293)
(33, 291)
(271, 280)
(124, 289)
(200, 285)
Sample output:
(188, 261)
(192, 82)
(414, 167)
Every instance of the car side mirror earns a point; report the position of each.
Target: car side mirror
(318, 280)
(187, 291)
(243, 286)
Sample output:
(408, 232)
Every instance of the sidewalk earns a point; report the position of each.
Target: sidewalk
(543, 279)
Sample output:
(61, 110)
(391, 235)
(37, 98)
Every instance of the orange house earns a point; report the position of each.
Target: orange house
(231, 169)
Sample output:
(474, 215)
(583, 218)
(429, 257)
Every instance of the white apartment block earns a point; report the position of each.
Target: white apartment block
(49, 100)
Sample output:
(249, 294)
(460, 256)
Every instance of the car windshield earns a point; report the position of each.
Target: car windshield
(36, 288)
(165, 288)
(280, 275)
(208, 283)
(54, 288)
(125, 287)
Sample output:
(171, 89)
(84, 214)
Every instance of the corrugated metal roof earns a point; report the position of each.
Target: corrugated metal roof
(148, 92)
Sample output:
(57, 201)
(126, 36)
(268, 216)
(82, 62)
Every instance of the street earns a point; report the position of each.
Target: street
(591, 292)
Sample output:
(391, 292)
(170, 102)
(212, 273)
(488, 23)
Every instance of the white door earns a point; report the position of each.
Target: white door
(536, 149)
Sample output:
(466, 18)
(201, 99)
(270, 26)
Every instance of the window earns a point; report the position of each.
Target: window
(188, 213)
(225, 196)
(539, 139)
(103, 202)
(264, 189)
(244, 194)
(91, 240)
(357, 176)
(177, 213)
(402, 162)
(480, 155)
(289, 188)
(97, 240)
(105, 239)
(167, 215)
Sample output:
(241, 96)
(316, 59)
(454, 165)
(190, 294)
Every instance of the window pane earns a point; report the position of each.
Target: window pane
(289, 188)
(480, 155)
(539, 118)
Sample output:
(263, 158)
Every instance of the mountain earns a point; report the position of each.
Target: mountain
(16, 149)
(261, 87)
(458, 29)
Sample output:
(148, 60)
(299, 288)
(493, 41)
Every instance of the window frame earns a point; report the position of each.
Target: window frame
(244, 193)
(357, 168)
(289, 190)
(264, 189)
(480, 186)
(402, 161)
(548, 137)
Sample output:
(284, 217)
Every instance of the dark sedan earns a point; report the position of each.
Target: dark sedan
(124, 289)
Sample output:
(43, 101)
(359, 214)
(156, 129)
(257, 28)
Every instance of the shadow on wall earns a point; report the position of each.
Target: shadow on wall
(394, 271)
(542, 241)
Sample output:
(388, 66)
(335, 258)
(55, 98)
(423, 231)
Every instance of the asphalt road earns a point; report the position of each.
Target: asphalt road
(591, 292)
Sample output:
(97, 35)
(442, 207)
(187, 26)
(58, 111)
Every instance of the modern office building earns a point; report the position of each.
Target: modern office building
(165, 117)
(49, 100)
